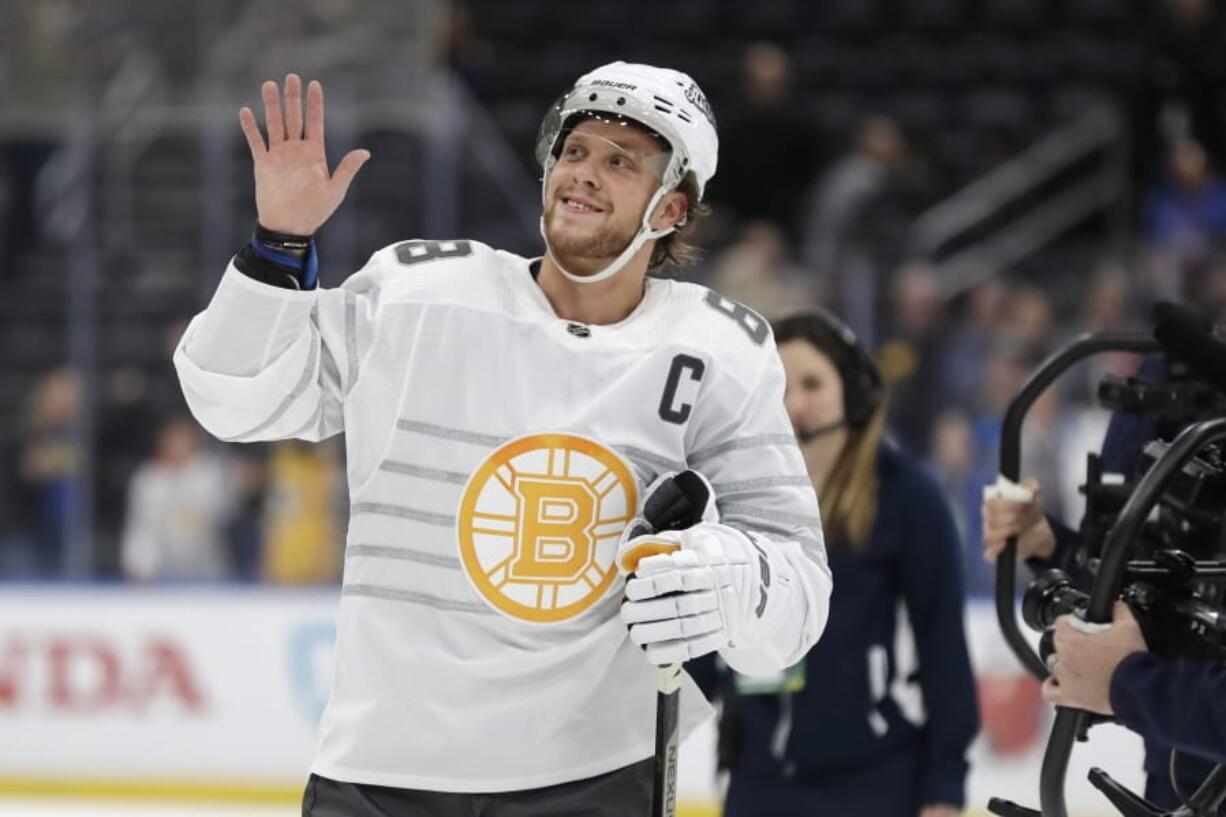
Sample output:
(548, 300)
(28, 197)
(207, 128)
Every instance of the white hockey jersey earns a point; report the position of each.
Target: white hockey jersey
(495, 453)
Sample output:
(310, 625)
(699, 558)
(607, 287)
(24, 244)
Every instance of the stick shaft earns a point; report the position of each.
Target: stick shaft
(668, 717)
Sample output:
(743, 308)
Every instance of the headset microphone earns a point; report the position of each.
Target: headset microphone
(809, 435)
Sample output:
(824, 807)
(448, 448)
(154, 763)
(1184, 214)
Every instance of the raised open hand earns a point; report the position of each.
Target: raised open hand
(294, 192)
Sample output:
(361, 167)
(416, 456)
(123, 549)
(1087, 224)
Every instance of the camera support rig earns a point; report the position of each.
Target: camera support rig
(1114, 563)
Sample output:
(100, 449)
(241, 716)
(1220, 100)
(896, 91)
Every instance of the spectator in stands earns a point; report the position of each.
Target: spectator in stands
(758, 271)
(39, 45)
(912, 357)
(1185, 216)
(959, 468)
(303, 530)
(1107, 305)
(1029, 319)
(1180, 93)
(47, 484)
(248, 468)
(970, 340)
(178, 505)
(853, 216)
(766, 136)
(123, 438)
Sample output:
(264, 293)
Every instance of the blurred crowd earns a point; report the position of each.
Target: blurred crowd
(954, 357)
(801, 216)
(169, 503)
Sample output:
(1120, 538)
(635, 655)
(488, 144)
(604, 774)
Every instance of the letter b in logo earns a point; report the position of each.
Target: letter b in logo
(555, 537)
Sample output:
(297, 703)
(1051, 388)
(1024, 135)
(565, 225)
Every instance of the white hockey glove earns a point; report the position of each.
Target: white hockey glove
(709, 593)
(692, 591)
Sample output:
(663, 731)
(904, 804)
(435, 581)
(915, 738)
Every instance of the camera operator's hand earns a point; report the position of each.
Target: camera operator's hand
(1086, 657)
(1003, 518)
(294, 192)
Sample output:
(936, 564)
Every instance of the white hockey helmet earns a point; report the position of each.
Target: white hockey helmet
(665, 101)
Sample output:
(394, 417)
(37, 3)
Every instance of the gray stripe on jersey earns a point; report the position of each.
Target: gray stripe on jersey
(724, 488)
(413, 597)
(351, 337)
(810, 544)
(404, 512)
(654, 460)
(761, 441)
(433, 474)
(403, 554)
(459, 435)
(308, 372)
(736, 509)
(330, 371)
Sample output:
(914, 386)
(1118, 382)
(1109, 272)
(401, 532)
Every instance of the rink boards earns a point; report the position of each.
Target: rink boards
(213, 693)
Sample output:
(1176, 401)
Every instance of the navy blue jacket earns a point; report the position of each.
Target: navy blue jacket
(838, 726)
(1173, 701)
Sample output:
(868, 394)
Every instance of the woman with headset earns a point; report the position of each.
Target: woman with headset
(849, 731)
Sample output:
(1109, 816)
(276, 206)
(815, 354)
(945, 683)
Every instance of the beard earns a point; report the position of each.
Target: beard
(605, 240)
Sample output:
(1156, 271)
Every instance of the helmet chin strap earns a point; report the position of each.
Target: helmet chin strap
(644, 234)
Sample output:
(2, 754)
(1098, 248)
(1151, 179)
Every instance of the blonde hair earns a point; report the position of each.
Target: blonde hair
(674, 249)
(849, 497)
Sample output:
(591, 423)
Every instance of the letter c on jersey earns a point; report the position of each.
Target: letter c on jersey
(669, 410)
(539, 522)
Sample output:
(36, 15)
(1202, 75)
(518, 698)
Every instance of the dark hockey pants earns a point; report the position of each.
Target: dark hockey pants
(625, 792)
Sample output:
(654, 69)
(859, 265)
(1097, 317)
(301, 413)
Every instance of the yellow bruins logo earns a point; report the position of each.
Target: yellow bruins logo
(539, 523)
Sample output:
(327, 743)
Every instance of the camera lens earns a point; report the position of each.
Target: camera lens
(1049, 597)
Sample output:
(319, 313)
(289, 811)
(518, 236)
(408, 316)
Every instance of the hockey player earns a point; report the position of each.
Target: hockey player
(503, 417)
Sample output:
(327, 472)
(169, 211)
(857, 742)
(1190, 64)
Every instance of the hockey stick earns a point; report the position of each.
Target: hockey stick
(677, 503)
